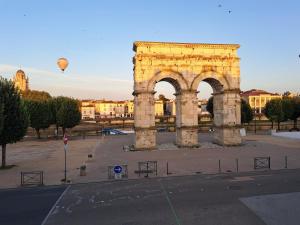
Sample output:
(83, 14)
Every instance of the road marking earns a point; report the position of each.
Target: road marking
(170, 203)
(54, 206)
(245, 178)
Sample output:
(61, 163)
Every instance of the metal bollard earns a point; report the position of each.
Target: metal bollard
(167, 168)
(237, 165)
(147, 174)
(219, 166)
(286, 162)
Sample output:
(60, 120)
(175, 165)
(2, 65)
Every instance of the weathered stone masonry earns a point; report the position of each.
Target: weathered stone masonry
(185, 66)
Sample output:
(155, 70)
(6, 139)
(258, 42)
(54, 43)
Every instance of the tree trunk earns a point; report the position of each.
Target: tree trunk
(3, 156)
(38, 133)
(278, 125)
(272, 125)
(295, 124)
(56, 131)
(64, 131)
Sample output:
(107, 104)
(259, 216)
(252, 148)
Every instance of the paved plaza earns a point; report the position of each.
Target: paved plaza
(48, 156)
(182, 161)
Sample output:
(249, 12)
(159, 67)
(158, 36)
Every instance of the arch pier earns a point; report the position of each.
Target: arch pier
(227, 117)
(187, 119)
(144, 120)
(184, 66)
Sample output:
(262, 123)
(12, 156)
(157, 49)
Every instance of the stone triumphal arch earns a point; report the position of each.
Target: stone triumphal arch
(184, 66)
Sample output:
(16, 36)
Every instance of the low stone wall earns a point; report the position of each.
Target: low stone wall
(168, 124)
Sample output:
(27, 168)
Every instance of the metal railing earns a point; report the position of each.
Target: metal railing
(147, 167)
(32, 178)
(262, 163)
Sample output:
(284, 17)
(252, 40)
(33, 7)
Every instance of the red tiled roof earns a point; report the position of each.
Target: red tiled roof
(255, 92)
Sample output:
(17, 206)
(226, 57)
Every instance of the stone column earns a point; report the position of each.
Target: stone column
(227, 118)
(144, 121)
(187, 119)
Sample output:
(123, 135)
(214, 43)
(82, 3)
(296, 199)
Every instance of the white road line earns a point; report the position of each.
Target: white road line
(53, 207)
(170, 203)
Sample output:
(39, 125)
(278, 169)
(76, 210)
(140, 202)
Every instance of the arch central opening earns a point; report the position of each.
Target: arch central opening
(211, 116)
(205, 111)
(165, 110)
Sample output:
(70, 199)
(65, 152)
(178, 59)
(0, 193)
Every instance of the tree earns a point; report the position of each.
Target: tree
(288, 108)
(36, 95)
(1, 113)
(210, 106)
(296, 111)
(274, 111)
(39, 114)
(55, 105)
(286, 94)
(246, 111)
(68, 114)
(14, 116)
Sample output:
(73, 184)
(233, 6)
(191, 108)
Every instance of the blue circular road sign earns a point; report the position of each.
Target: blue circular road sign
(118, 169)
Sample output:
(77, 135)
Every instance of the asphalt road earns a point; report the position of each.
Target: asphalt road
(189, 200)
(27, 206)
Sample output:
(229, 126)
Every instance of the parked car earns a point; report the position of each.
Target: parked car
(162, 129)
(111, 131)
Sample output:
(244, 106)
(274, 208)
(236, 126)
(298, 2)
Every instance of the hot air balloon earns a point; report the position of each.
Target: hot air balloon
(62, 63)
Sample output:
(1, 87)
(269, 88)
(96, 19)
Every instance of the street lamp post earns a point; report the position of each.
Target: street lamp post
(65, 139)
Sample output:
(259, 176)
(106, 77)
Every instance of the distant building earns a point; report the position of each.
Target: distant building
(202, 107)
(87, 102)
(21, 81)
(96, 109)
(88, 112)
(159, 108)
(258, 99)
(129, 108)
(109, 109)
(171, 107)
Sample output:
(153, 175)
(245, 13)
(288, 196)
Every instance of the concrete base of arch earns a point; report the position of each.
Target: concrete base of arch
(187, 137)
(227, 136)
(145, 139)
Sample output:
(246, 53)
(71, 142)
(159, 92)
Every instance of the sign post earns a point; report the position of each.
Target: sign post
(118, 172)
(65, 148)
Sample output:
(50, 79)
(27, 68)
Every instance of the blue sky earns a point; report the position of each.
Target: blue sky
(97, 38)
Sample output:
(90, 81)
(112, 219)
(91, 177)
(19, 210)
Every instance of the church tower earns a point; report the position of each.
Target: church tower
(21, 81)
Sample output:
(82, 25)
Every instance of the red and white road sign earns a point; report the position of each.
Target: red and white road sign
(65, 139)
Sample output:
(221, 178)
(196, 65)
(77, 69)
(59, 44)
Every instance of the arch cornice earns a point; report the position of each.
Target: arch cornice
(185, 45)
(136, 93)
